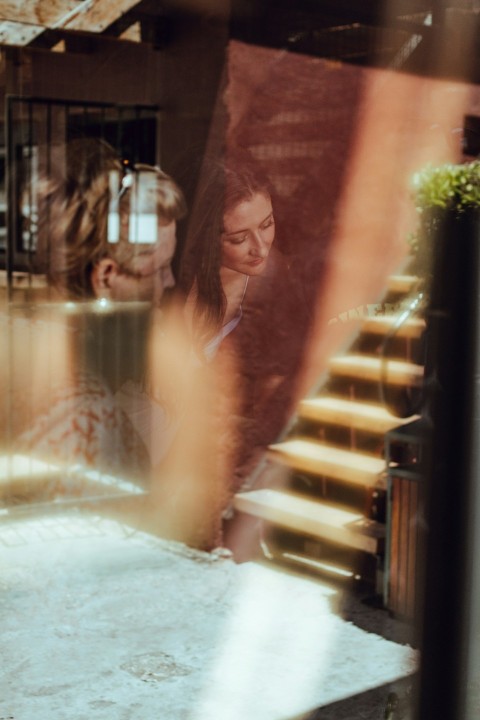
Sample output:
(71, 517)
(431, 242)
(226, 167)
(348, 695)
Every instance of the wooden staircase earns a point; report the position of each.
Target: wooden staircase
(321, 494)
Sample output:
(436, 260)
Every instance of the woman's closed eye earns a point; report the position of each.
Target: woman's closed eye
(242, 237)
(237, 239)
(267, 223)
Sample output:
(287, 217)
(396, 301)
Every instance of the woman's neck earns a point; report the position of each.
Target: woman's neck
(234, 286)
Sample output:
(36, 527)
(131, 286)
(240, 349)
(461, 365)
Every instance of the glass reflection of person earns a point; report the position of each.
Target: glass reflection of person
(242, 301)
(90, 242)
(108, 237)
(233, 228)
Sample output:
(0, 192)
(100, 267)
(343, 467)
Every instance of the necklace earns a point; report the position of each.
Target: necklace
(234, 304)
(244, 291)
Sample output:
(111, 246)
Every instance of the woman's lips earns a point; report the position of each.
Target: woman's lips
(258, 261)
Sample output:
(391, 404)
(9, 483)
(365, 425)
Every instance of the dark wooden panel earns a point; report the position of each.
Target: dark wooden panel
(403, 547)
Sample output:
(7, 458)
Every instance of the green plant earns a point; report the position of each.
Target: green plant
(451, 187)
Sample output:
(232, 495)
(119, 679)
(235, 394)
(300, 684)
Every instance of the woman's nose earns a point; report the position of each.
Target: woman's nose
(260, 246)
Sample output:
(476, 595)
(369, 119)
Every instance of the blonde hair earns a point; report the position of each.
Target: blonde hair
(73, 201)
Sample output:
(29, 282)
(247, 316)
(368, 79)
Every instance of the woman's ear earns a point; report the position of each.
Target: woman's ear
(103, 274)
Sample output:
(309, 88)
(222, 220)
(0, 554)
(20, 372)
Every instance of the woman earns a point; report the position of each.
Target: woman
(106, 236)
(243, 301)
(233, 228)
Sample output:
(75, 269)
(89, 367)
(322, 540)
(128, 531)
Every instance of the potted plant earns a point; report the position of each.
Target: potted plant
(447, 199)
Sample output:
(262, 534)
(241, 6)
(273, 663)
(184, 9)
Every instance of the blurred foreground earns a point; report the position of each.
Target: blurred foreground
(103, 620)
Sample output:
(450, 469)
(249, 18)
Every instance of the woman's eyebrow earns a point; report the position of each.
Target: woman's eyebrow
(237, 232)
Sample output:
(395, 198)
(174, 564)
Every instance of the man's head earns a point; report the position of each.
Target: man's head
(106, 230)
(141, 235)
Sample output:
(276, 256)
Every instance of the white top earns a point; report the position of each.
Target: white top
(211, 348)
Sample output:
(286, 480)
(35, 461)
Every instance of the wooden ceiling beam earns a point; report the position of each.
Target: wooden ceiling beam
(123, 24)
(99, 15)
(16, 33)
(84, 15)
(46, 13)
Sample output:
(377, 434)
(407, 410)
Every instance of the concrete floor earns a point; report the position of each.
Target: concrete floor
(102, 621)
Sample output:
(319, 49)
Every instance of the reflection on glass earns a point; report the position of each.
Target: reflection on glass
(270, 411)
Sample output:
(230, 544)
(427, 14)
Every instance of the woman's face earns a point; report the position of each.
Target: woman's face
(248, 234)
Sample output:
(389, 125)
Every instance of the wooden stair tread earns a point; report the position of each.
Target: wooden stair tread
(402, 283)
(382, 324)
(23, 474)
(24, 467)
(312, 517)
(321, 459)
(369, 417)
(366, 367)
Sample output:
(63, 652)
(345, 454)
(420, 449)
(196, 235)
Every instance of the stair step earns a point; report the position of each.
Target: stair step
(366, 367)
(314, 518)
(25, 476)
(21, 473)
(368, 417)
(321, 459)
(333, 570)
(382, 324)
(402, 283)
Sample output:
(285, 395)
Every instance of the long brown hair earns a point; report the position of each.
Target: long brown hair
(223, 185)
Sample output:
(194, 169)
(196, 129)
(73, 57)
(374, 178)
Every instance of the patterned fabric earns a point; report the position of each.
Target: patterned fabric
(85, 426)
(153, 424)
